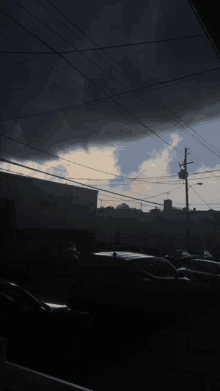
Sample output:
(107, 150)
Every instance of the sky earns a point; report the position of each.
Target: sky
(136, 135)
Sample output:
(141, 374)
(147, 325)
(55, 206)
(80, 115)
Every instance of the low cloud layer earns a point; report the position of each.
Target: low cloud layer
(26, 93)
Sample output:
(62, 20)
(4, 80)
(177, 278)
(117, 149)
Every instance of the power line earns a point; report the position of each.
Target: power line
(82, 184)
(200, 197)
(15, 172)
(115, 175)
(76, 50)
(54, 168)
(204, 28)
(111, 198)
(112, 46)
(94, 169)
(203, 172)
(95, 101)
(125, 71)
(145, 126)
(37, 74)
(81, 73)
(144, 198)
(61, 170)
(40, 3)
(89, 59)
(70, 161)
(75, 25)
(205, 168)
(43, 62)
(107, 94)
(157, 195)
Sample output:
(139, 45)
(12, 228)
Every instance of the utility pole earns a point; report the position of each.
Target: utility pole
(187, 203)
(141, 205)
(183, 174)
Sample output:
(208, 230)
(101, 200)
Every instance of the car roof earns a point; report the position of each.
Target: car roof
(11, 284)
(125, 255)
(205, 260)
(5, 282)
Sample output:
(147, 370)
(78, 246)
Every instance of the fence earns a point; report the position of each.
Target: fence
(16, 377)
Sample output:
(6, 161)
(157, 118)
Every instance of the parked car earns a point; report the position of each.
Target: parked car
(126, 280)
(202, 273)
(35, 328)
(176, 256)
(201, 254)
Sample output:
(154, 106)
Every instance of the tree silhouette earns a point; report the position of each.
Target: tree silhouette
(124, 207)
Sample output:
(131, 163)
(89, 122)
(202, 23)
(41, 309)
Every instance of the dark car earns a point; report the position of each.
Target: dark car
(201, 254)
(201, 272)
(176, 256)
(120, 280)
(34, 327)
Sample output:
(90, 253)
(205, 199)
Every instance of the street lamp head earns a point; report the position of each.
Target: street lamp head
(200, 184)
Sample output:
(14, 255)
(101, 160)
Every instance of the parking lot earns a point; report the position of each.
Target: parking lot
(177, 350)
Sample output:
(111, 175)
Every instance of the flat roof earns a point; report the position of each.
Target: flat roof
(45, 180)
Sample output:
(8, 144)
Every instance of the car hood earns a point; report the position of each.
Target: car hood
(62, 309)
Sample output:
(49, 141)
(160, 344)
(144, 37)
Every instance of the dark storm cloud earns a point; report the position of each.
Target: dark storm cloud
(107, 24)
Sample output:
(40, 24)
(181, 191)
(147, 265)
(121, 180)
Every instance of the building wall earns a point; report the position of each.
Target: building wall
(47, 205)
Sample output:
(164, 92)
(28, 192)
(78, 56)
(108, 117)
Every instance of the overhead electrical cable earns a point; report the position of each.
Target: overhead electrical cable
(104, 195)
(138, 120)
(95, 64)
(105, 172)
(62, 158)
(46, 25)
(99, 88)
(212, 174)
(95, 101)
(40, 3)
(200, 197)
(109, 47)
(71, 180)
(43, 62)
(37, 74)
(131, 75)
(93, 180)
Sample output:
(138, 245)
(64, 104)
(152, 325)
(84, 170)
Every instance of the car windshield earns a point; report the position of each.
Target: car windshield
(179, 254)
(160, 269)
(17, 298)
(186, 254)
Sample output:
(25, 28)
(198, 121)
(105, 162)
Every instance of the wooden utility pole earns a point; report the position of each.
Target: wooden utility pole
(187, 203)
(183, 174)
